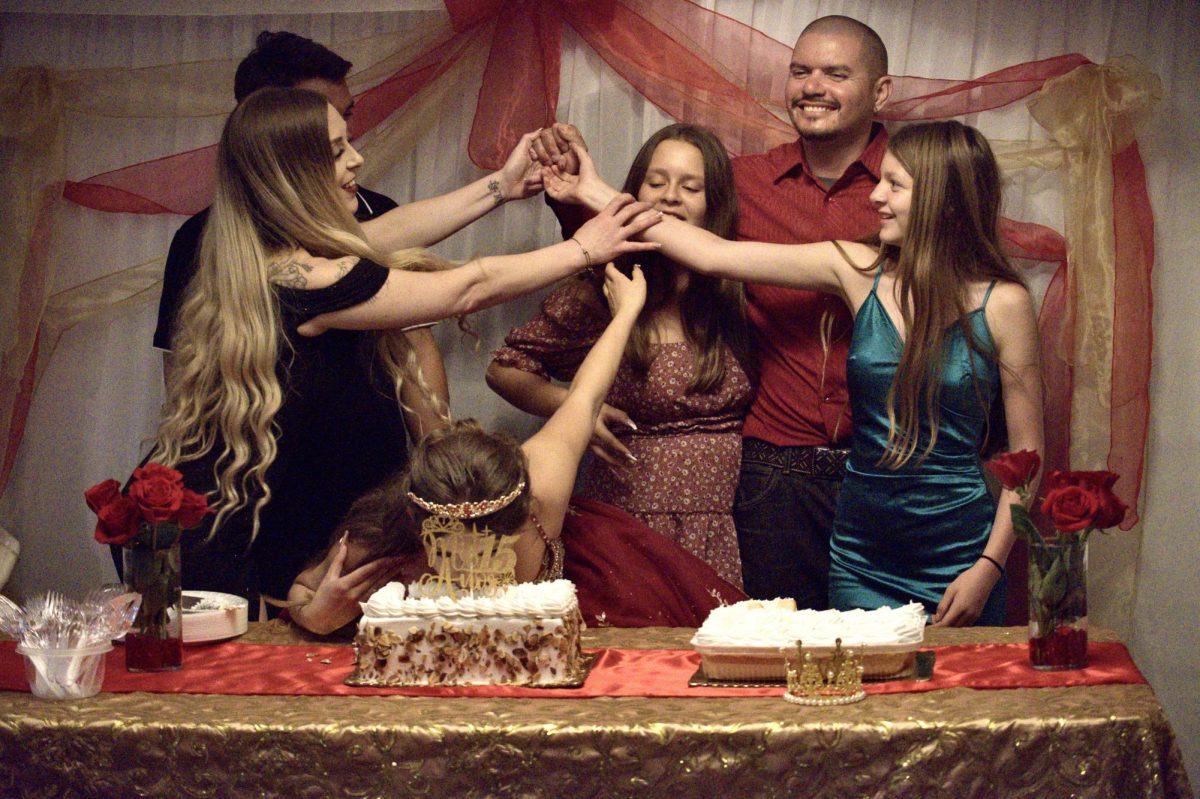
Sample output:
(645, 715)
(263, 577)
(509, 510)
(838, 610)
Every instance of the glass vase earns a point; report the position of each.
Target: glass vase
(155, 641)
(1058, 605)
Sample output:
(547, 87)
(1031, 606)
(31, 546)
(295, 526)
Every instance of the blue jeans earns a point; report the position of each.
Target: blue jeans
(784, 520)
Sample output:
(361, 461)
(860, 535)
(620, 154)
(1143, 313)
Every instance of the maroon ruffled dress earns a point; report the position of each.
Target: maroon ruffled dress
(688, 446)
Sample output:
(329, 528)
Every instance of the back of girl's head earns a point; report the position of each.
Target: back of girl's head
(380, 523)
(462, 462)
(719, 195)
(956, 192)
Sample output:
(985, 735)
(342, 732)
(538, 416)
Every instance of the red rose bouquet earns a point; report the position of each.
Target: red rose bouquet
(146, 522)
(156, 508)
(1076, 503)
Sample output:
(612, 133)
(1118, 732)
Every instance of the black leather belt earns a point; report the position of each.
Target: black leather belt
(813, 461)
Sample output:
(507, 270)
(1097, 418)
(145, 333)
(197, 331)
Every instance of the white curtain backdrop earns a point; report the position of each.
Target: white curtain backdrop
(99, 397)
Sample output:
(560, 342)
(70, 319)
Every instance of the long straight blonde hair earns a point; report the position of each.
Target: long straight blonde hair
(952, 240)
(275, 193)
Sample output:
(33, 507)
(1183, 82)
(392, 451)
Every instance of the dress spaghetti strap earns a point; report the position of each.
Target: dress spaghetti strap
(987, 294)
(837, 245)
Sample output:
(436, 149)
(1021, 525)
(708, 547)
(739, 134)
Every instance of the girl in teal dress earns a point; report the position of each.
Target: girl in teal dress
(943, 326)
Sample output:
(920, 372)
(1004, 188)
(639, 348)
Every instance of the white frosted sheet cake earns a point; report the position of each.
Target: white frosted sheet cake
(524, 634)
(749, 640)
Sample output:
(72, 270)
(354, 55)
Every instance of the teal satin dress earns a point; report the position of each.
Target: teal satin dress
(903, 535)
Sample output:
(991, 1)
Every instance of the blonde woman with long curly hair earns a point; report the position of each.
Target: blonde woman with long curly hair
(268, 408)
(943, 328)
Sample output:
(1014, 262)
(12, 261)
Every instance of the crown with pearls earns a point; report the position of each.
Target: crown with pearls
(833, 680)
(467, 510)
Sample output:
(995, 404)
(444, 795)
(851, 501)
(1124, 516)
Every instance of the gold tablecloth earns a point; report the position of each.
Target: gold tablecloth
(1103, 741)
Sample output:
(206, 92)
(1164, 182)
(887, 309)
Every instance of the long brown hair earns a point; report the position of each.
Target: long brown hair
(952, 241)
(462, 462)
(712, 311)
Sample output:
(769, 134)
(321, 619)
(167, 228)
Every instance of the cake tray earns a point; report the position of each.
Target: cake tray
(920, 671)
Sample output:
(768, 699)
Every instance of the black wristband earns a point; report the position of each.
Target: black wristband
(994, 562)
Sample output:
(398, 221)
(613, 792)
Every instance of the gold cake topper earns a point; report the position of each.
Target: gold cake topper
(467, 561)
(837, 681)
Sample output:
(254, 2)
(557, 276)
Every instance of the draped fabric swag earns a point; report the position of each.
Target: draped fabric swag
(691, 63)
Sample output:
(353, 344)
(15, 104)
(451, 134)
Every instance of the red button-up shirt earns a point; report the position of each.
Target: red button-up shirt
(802, 399)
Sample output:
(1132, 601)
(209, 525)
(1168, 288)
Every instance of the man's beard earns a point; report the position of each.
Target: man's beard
(812, 135)
(819, 135)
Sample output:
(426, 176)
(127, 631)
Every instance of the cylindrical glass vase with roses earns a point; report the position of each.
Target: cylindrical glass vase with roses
(1075, 503)
(145, 522)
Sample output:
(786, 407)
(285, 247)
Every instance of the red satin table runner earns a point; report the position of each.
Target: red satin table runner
(243, 669)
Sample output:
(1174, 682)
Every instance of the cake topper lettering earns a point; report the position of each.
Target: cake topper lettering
(469, 562)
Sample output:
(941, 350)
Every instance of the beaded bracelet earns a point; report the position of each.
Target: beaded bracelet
(994, 562)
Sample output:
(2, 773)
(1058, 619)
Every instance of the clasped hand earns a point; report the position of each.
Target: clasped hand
(521, 175)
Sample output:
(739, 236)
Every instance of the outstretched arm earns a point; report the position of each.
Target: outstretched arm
(807, 266)
(1013, 323)
(553, 344)
(555, 450)
(536, 395)
(409, 298)
(426, 222)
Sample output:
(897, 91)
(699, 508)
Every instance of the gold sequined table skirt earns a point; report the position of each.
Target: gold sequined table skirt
(1098, 741)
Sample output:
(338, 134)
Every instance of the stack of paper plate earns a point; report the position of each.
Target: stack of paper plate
(209, 616)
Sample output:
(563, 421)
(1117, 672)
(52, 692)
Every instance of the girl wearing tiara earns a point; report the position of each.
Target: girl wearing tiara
(485, 479)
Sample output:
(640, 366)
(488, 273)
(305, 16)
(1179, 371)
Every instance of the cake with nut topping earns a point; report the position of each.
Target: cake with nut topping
(423, 634)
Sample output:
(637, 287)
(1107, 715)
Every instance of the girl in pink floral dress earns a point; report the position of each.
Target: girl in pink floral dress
(667, 444)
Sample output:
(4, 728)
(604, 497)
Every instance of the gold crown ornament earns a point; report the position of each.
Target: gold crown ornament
(837, 680)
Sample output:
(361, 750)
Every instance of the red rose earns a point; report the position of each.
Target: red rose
(158, 492)
(102, 494)
(1071, 508)
(1094, 480)
(1112, 510)
(1099, 484)
(117, 517)
(192, 509)
(158, 470)
(1015, 469)
(117, 522)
